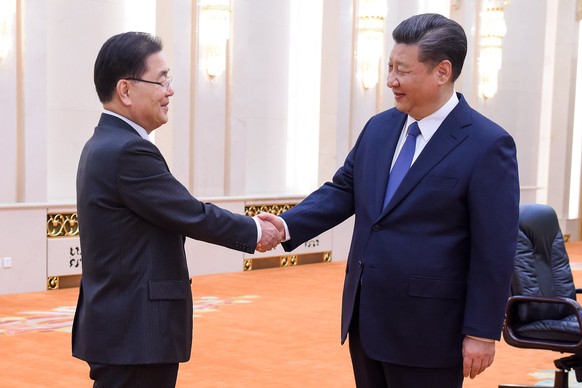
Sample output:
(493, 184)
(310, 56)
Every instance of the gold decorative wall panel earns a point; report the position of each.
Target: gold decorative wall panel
(62, 225)
(276, 209)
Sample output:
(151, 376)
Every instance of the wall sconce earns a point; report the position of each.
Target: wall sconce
(7, 11)
(214, 34)
(493, 29)
(371, 15)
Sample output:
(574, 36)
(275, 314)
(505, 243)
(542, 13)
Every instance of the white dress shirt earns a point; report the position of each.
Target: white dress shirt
(428, 126)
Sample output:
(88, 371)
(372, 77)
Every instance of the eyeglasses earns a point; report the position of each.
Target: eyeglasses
(166, 84)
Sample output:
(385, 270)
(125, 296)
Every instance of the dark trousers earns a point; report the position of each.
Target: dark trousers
(134, 376)
(371, 373)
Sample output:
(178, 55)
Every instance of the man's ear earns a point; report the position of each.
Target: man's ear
(444, 71)
(122, 89)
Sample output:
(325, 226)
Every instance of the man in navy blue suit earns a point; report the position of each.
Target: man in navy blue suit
(429, 268)
(133, 322)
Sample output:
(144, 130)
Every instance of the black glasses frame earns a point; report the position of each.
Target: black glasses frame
(165, 85)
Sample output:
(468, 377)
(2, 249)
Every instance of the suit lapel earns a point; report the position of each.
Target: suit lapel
(448, 136)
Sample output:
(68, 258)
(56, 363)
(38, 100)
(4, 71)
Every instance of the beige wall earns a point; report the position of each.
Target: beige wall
(229, 137)
(33, 257)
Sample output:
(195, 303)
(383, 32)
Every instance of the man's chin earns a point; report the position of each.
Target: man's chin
(400, 107)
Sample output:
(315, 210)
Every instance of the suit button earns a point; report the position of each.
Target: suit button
(360, 264)
(376, 228)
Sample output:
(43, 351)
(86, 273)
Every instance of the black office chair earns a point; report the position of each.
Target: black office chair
(543, 312)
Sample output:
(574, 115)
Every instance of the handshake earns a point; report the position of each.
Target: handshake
(272, 231)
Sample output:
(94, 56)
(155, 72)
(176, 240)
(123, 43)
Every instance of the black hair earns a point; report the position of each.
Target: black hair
(437, 37)
(123, 56)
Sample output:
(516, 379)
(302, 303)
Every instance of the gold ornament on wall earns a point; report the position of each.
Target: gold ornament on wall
(62, 225)
(276, 209)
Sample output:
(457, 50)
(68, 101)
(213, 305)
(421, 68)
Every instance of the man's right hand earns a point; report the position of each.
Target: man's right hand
(272, 232)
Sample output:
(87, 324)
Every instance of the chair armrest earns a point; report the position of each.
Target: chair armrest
(513, 339)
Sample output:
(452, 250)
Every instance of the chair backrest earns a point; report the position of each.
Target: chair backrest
(542, 267)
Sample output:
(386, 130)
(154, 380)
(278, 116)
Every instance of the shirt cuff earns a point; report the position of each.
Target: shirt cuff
(287, 234)
(259, 231)
(481, 338)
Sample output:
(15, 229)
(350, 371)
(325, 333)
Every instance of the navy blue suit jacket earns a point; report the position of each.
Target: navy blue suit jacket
(135, 300)
(435, 264)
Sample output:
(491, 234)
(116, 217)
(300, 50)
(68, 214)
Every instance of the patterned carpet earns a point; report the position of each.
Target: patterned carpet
(265, 328)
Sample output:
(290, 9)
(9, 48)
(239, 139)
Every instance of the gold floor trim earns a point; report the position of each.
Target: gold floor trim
(286, 261)
(58, 282)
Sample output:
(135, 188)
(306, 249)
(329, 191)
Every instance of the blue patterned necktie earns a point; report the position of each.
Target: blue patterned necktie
(403, 162)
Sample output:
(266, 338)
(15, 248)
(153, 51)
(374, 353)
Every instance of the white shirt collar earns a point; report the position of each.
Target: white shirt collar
(139, 129)
(429, 125)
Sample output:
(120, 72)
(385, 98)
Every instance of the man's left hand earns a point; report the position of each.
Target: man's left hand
(477, 356)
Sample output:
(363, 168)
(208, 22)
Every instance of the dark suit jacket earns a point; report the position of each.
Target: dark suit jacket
(135, 301)
(436, 263)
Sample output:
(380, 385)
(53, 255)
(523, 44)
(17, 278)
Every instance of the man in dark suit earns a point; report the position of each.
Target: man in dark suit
(429, 268)
(133, 322)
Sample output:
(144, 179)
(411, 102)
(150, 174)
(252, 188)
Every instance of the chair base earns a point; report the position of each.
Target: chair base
(566, 364)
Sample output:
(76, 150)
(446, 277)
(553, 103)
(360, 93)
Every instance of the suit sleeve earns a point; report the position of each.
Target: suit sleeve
(326, 207)
(493, 204)
(147, 187)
